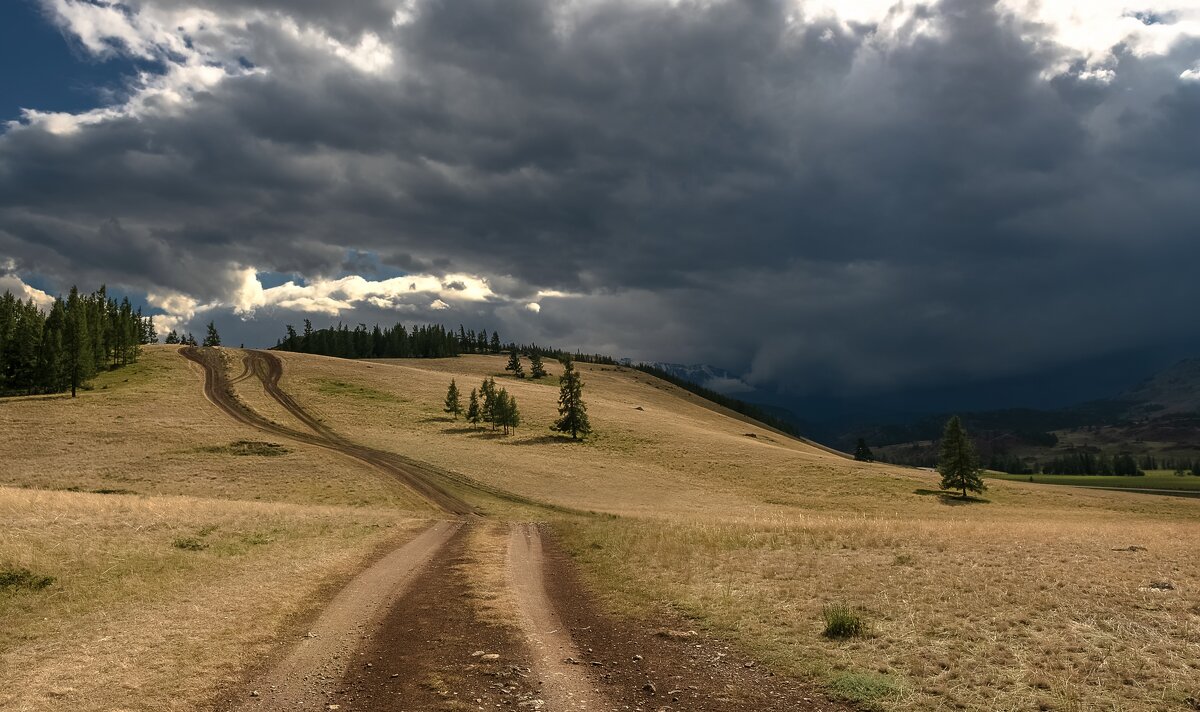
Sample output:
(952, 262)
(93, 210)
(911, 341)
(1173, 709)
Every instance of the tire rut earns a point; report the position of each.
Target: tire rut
(268, 368)
(556, 657)
(306, 677)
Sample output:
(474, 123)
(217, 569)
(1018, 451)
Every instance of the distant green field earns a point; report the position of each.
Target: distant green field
(1155, 480)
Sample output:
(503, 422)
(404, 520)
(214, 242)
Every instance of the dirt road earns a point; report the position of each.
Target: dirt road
(308, 675)
(412, 632)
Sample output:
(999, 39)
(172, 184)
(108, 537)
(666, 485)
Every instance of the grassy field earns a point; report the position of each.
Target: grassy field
(176, 545)
(1154, 479)
(1030, 599)
(1034, 598)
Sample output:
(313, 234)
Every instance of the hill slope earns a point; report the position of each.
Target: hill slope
(746, 533)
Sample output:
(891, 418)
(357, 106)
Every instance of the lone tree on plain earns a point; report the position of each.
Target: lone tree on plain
(452, 405)
(862, 453)
(572, 413)
(473, 414)
(957, 463)
(536, 369)
(514, 364)
(212, 338)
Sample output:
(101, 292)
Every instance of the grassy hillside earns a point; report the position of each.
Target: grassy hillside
(179, 545)
(1029, 600)
(1026, 601)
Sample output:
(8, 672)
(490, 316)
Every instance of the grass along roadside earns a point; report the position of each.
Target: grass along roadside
(164, 598)
(1018, 614)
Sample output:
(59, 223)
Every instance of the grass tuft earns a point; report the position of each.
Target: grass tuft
(842, 622)
(17, 579)
(190, 543)
(863, 687)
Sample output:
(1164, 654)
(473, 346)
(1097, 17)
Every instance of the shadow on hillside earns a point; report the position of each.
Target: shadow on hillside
(437, 419)
(950, 498)
(461, 430)
(543, 440)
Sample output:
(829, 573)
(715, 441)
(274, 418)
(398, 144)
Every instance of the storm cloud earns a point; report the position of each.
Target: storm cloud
(921, 193)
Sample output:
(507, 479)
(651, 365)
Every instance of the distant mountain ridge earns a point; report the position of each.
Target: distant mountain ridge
(1173, 390)
(711, 377)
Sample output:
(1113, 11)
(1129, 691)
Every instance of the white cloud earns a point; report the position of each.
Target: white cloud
(438, 305)
(12, 283)
(534, 307)
(370, 55)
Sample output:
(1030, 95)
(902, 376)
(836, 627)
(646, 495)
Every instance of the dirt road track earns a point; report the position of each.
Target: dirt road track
(566, 686)
(307, 676)
(268, 368)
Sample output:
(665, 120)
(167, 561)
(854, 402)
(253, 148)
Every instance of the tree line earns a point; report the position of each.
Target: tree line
(63, 348)
(427, 341)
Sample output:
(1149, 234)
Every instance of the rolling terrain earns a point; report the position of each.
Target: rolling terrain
(233, 529)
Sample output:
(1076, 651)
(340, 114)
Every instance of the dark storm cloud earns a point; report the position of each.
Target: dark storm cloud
(817, 205)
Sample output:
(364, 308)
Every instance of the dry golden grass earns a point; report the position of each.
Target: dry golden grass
(133, 621)
(148, 429)
(1017, 603)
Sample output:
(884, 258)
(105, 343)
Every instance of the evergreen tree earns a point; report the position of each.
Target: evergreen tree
(862, 453)
(957, 464)
(212, 338)
(172, 337)
(51, 367)
(495, 343)
(473, 414)
(452, 405)
(502, 406)
(514, 364)
(487, 394)
(512, 415)
(77, 345)
(536, 369)
(572, 411)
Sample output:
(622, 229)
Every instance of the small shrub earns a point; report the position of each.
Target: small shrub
(16, 579)
(190, 543)
(842, 622)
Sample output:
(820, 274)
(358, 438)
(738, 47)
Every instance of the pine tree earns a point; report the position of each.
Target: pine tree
(172, 337)
(473, 414)
(514, 364)
(212, 338)
(571, 409)
(77, 343)
(862, 453)
(495, 343)
(536, 369)
(957, 464)
(502, 408)
(452, 405)
(512, 415)
(50, 364)
(487, 392)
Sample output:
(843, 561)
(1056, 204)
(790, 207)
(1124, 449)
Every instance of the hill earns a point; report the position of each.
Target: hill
(188, 543)
(1157, 421)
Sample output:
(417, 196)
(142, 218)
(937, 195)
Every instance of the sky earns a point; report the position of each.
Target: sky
(825, 199)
